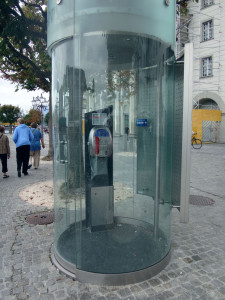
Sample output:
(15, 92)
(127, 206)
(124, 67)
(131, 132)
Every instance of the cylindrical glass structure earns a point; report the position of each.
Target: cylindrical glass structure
(112, 94)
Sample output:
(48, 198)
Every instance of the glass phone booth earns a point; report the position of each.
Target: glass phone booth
(112, 98)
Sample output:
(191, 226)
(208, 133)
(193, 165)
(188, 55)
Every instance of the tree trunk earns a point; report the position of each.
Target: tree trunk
(10, 128)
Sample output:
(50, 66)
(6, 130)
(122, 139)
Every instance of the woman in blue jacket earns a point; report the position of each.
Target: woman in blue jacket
(22, 137)
(35, 147)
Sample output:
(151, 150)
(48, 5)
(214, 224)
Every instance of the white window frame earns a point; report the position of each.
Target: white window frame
(206, 67)
(206, 3)
(207, 30)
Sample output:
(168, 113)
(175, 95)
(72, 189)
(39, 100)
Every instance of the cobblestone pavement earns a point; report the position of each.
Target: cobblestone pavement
(196, 269)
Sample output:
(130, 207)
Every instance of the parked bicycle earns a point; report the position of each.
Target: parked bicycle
(196, 143)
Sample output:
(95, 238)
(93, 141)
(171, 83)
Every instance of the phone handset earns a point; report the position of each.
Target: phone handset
(97, 142)
(100, 142)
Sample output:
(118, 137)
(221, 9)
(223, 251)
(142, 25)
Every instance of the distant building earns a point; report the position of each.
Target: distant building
(204, 26)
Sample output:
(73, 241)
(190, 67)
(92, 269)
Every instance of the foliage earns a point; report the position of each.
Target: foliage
(46, 119)
(122, 80)
(33, 116)
(23, 44)
(9, 114)
(23, 47)
(184, 5)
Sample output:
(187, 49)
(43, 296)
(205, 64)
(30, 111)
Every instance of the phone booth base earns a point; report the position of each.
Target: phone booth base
(120, 271)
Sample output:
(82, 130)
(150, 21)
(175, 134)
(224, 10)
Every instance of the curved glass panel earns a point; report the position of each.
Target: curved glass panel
(151, 17)
(113, 119)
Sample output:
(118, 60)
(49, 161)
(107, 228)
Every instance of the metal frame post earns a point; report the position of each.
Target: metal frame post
(186, 134)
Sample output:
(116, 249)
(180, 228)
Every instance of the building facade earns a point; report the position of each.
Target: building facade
(205, 27)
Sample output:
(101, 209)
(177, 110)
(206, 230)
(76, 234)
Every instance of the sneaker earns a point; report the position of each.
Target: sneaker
(19, 173)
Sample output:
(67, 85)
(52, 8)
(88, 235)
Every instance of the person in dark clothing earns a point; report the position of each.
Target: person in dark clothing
(4, 151)
(22, 137)
(62, 135)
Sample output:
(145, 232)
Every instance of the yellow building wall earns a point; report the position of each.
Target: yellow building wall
(199, 115)
(7, 124)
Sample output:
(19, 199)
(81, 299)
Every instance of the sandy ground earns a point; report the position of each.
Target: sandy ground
(39, 194)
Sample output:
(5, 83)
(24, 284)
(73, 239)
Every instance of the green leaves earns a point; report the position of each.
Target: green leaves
(9, 114)
(23, 44)
(184, 5)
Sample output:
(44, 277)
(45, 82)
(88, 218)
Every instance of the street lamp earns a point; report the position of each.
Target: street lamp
(40, 103)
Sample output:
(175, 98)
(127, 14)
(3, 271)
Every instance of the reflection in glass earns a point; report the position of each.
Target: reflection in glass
(113, 116)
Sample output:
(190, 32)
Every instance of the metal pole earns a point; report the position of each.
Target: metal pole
(186, 134)
(157, 160)
(39, 104)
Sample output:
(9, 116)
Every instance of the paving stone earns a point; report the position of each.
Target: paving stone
(124, 292)
(60, 294)
(164, 295)
(173, 275)
(112, 296)
(164, 278)
(143, 296)
(207, 297)
(222, 290)
(5, 293)
(129, 298)
(196, 257)
(49, 297)
(84, 296)
(22, 296)
(195, 282)
(144, 285)
(196, 270)
(135, 288)
(150, 292)
(154, 282)
(52, 288)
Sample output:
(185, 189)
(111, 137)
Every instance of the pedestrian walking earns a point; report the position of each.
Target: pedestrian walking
(22, 137)
(4, 151)
(35, 147)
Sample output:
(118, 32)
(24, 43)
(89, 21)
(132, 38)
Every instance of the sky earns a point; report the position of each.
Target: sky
(22, 98)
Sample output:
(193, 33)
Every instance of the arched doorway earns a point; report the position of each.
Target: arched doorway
(207, 118)
(208, 104)
(209, 127)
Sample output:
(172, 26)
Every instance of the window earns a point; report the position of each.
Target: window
(207, 66)
(206, 3)
(207, 30)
